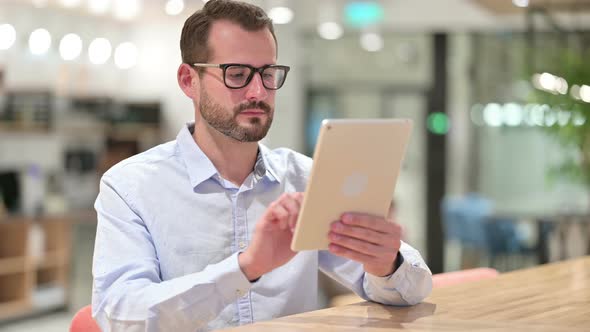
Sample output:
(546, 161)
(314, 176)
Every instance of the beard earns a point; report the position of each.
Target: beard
(225, 121)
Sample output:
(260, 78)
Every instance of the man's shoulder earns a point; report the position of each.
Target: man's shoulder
(147, 161)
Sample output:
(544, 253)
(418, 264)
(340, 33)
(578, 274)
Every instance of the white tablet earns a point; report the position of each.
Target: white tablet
(355, 168)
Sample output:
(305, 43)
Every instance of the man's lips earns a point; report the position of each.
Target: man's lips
(253, 112)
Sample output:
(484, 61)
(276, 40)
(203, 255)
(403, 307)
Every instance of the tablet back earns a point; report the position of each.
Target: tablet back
(356, 164)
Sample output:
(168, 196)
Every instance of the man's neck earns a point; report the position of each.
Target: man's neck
(233, 160)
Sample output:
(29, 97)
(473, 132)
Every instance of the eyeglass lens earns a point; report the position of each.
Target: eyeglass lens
(237, 76)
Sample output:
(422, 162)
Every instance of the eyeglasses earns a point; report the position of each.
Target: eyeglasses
(237, 76)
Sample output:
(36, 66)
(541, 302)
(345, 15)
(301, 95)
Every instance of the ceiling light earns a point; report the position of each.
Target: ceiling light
(585, 93)
(521, 3)
(512, 114)
(39, 41)
(99, 51)
(174, 7)
(561, 85)
(547, 81)
(330, 30)
(575, 92)
(371, 42)
(126, 9)
(550, 118)
(563, 118)
(7, 36)
(70, 46)
(579, 119)
(281, 15)
(99, 7)
(126, 55)
(550, 83)
(539, 113)
(492, 115)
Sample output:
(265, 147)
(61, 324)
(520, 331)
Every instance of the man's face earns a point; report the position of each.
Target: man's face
(243, 114)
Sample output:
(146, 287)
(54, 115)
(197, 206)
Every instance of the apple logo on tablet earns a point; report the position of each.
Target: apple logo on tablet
(355, 184)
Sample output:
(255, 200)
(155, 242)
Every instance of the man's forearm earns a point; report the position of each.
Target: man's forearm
(195, 299)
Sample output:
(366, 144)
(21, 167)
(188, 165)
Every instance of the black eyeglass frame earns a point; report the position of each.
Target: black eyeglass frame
(253, 70)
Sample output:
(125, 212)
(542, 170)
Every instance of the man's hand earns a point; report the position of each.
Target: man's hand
(271, 242)
(370, 240)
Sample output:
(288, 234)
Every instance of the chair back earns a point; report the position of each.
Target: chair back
(83, 321)
(464, 219)
(458, 277)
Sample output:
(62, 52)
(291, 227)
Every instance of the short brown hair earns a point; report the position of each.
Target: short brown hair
(195, 33)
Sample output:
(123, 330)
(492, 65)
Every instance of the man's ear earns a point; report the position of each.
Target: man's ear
(188, 81)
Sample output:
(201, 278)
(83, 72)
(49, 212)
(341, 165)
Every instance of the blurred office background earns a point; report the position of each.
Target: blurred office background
(497, 172)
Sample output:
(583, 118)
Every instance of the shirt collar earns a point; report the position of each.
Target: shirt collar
(268, 162)
(200, 167)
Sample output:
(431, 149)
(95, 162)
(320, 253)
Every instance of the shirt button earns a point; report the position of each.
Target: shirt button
(242, 245)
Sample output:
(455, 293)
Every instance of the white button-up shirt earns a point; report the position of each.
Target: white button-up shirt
(169, 232)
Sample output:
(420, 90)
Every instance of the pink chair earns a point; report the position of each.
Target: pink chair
(83, 321)
(457, 277)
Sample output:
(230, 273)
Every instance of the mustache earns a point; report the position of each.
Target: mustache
(254, 104)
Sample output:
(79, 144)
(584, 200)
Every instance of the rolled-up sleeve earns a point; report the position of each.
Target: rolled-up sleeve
(128, 292)
(408, 285)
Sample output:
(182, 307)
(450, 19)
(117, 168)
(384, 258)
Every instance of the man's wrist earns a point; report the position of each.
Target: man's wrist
(399, 259)
(248, 268)
(396, 264)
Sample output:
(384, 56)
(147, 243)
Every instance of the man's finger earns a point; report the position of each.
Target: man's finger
(290, 204)
(293, 208)
(375, 223)
(361, 246)
(362, 233)
(279, 215)
(350, 254)
(299, 197)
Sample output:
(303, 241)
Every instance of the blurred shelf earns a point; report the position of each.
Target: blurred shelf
(13, 308)
(31, 284)
(12, 265)
(49, 296)
(53, 259)
(130, 131)
(11, 127)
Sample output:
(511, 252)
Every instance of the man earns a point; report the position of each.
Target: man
(195, 234)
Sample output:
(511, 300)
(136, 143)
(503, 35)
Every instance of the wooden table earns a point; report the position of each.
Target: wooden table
(553, 297)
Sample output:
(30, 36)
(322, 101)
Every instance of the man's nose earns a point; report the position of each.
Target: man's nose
(255, 90)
